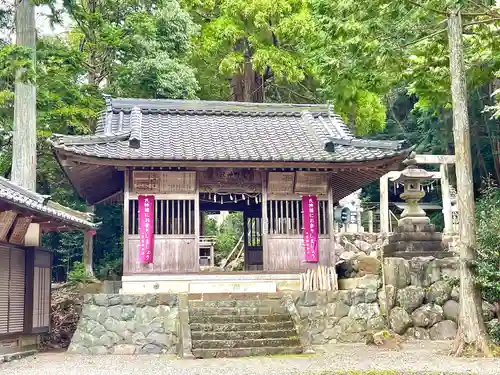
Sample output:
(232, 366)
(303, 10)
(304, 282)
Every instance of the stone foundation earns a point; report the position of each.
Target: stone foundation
(210, 283)
(418, 299)
(422, 296)
(127, 324)
(340, 316)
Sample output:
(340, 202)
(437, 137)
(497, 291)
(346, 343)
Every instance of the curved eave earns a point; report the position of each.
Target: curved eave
(394, 157)
(51, 215)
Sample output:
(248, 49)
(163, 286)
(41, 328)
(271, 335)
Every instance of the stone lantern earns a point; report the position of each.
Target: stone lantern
(413, 217)
(414, 236)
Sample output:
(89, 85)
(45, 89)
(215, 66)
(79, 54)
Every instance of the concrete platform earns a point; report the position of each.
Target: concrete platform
(199, 283)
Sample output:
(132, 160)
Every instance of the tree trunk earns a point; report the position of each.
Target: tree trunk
(24, 132)
(88, 249)
(248, 86)
(88, 237)
(471, 328)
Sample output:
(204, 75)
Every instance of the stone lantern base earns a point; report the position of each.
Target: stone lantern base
(416, 241)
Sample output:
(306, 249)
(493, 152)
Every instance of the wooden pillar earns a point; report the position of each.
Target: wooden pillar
(245, 238)
(331, 229)
(88, 248)
(358, 218)
(384, 204)
(445, 192)
(33, 235)
(126, 197)
(212, 256)
(202, 223)
(197, 226)
(265, 220)
(370, 221)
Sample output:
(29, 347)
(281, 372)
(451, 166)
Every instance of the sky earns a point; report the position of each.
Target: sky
(42, 22)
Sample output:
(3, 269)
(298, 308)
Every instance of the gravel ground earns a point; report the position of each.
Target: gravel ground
(419, 357)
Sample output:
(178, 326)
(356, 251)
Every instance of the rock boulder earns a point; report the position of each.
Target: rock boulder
(451, 309)
(390, 290)
(445, 330)
(439, 292)
(427, 315)
(418, 333)
(410, 297)
(397, 272)
(399, 320)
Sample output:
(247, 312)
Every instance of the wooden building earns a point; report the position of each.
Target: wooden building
(197, 156)
(25, 267)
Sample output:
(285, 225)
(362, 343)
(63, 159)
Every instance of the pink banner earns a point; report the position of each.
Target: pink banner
(310, 217)
(146, 228)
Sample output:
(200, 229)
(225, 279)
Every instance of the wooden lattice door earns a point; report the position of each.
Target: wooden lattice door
(253, 241)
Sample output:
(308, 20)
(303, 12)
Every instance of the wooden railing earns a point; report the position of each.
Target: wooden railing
(207, 241)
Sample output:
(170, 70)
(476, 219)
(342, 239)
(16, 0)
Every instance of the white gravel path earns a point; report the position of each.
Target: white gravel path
(415, 357)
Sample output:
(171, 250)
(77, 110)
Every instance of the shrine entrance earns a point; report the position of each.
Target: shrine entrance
(247, 254)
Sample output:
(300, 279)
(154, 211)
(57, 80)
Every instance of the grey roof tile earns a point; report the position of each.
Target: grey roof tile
(200, 130)
(14, 194)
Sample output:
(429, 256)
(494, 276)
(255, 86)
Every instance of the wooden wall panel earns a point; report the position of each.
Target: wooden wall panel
(16, 291)
(41, 289)
(4, 289)
(18, 233)
(41, 297)
(286, 253)
(171, 255)
(6, 220)
(163, 182)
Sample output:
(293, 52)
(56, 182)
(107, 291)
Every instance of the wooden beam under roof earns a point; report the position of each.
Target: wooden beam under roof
(435, 159)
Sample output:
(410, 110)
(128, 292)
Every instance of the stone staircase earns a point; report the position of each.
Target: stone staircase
(241, 327)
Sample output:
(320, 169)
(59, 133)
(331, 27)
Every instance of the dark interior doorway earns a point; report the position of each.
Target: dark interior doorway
(251, 208)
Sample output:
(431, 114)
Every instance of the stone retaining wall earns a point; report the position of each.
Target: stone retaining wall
(422, 296)
(421, 301)
(341, 316)
(127, 324)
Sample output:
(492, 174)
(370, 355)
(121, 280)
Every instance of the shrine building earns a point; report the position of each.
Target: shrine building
(171, 162)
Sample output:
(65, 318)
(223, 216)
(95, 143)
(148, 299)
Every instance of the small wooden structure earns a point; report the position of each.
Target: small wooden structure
(196, 156)
(25, 267)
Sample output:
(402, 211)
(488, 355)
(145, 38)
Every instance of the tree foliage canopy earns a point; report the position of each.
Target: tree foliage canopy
(383, 64)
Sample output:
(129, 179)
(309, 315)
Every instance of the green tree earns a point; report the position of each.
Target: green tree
(135, 47)
(248, 50)
(488, 236)
(368, 47)
(108, 49)
(426, 46)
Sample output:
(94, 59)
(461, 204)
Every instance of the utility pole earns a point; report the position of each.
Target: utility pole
(471, 328)
(24, 132)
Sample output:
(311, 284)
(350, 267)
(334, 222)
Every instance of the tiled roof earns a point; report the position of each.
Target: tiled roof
(29, 200)
(173, 130)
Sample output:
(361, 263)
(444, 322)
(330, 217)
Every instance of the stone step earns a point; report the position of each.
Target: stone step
(238, 318)
(242, 335)
(234, 296)
(249, 343)
(246, 352)
(262, 310)
(235, 303)
(15, 355)
(240, 327)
